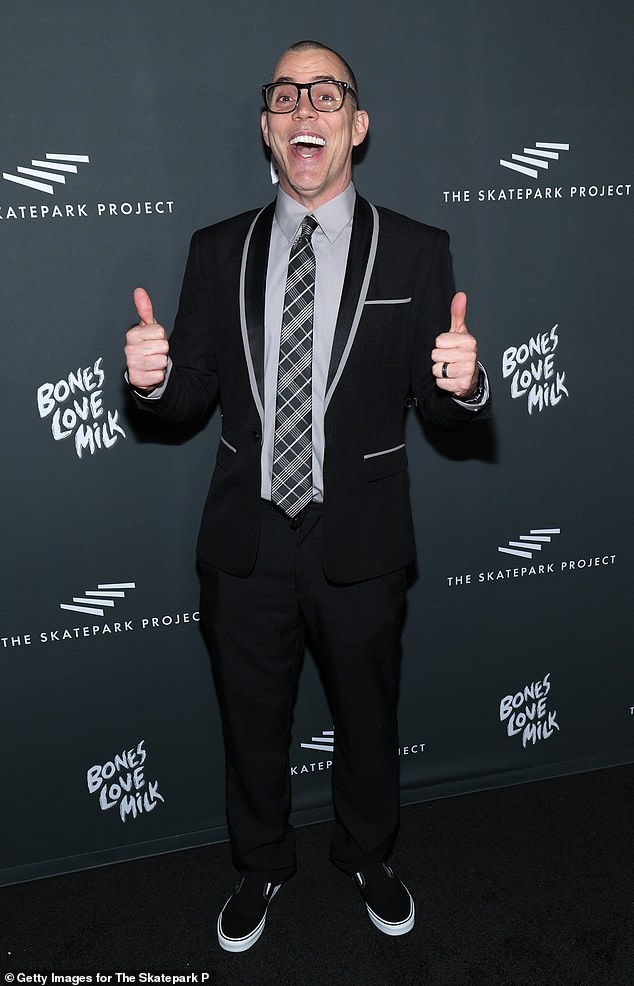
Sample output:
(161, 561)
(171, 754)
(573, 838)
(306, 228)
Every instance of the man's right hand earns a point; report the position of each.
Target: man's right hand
(146, 347)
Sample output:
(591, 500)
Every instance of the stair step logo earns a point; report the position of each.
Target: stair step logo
(540, 157)
(527, 544)
(55, 168)
(93, 601)
(324, 742)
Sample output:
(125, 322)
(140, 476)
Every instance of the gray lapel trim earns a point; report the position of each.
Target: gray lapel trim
(359, 310)
(243, 321)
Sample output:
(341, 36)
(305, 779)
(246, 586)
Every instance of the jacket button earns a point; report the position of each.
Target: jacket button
(256, 436)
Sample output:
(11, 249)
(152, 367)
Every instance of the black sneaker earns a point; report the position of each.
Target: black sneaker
(241, 921)
(389, 902)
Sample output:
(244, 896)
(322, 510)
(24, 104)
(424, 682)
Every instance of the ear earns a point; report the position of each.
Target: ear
(265, 127)
(361, 125)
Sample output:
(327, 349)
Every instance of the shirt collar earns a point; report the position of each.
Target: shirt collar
(333, 216)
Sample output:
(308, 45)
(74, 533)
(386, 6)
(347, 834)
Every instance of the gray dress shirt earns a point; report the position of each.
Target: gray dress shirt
(331, 242)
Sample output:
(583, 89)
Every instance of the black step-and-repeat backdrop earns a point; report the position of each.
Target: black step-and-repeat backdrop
(127, 126)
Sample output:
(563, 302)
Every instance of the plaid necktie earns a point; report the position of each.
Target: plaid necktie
(292, 478)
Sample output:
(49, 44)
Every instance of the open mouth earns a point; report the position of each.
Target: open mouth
(307, 145)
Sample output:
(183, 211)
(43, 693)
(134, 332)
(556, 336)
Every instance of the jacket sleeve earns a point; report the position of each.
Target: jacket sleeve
(193, 380)
(433, 317)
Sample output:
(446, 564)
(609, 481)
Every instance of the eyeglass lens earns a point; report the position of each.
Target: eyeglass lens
(324, 96)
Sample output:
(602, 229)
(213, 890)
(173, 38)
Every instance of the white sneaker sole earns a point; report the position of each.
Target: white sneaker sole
(393, 927)
(242, 944)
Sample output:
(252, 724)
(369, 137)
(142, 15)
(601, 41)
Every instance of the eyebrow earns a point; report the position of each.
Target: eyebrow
(315, 78)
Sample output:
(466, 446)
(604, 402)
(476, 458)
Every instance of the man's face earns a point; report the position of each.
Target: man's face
(313, 173)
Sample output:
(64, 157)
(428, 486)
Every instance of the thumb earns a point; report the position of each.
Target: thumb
(458, 312)
(143, 306)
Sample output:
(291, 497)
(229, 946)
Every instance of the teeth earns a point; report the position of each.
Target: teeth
(308, 139)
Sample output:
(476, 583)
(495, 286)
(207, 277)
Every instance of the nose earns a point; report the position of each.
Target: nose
(304, 108)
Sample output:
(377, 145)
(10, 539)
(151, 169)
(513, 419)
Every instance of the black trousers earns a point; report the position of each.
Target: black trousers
(256, 628)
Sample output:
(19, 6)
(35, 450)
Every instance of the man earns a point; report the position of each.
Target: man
(311, 321)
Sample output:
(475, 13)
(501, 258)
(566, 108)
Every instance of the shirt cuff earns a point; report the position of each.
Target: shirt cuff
(155, 395)
(482, 394)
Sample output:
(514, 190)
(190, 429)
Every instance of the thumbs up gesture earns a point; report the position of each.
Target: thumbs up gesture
(146, 347)
(455, 357)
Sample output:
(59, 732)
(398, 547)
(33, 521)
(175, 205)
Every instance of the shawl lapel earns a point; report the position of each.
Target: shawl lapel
(255, 259)
(361, 256)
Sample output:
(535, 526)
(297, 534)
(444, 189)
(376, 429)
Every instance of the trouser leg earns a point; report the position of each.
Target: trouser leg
(255, 635)
(355, 634)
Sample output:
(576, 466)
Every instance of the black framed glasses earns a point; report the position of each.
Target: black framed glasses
(326, 96)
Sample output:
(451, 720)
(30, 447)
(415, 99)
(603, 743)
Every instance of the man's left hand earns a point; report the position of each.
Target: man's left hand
(457, 353)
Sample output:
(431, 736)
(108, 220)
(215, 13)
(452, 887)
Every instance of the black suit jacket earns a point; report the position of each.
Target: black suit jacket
(396, 299)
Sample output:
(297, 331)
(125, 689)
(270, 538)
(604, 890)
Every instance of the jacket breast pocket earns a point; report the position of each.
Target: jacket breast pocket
(385, 462)
(388, 301)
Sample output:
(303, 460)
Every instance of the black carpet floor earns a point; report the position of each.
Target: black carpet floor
(527, 886)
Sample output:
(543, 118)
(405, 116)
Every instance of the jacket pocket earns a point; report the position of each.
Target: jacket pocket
(226, 454)
(386, 462)
(388, 301)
